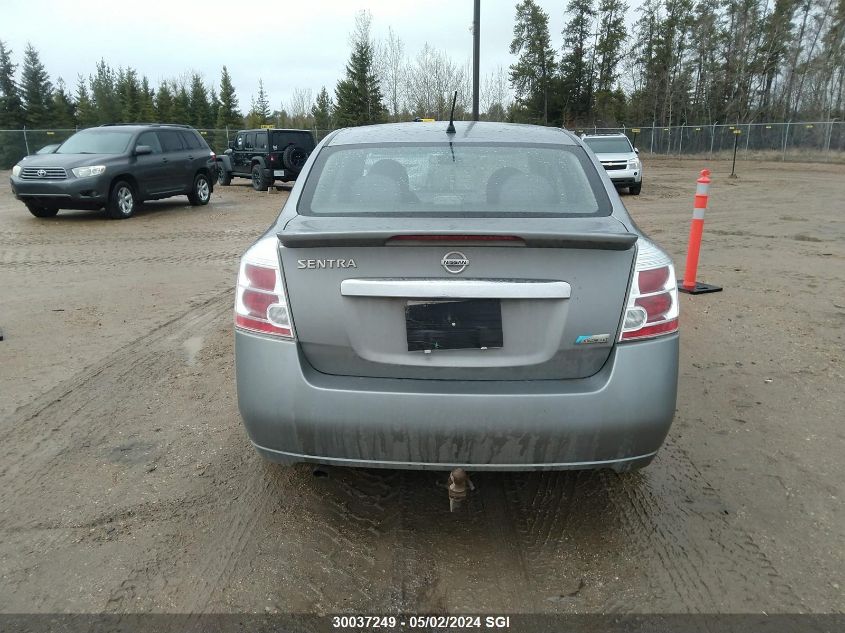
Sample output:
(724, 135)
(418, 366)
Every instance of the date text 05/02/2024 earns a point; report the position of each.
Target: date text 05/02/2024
(387, 622)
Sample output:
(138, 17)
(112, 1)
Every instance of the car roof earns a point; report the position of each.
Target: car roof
(608, 135)
(275, 129)
(137, 127)
(465, 132)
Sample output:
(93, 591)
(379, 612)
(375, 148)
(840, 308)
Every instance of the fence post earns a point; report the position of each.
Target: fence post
(712, 139)
(681, 142)
(25, 141)
(747, 139)
(785, 136)
(651, 151)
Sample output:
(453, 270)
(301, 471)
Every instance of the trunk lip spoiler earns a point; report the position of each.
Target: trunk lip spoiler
(535, 239)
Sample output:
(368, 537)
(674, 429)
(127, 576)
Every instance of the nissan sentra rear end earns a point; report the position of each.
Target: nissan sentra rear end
(479, 300)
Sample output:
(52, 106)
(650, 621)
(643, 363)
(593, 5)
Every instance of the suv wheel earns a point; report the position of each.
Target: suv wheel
(224, 178)
(259, 181)
(40, 211)
(634, 190)
(294, 158)
(201, 192)
(121, 201)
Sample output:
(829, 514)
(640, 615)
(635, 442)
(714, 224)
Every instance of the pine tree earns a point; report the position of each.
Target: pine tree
(36, 89)
(213, 107)
(146, 109)
(260, 109)
(129, 95)
(164, 103)
(12, 116)
(228, 115)
(576, 69)
(322, 111)
(86, 115)
(358, 95)
(181, 110)
(104, 94)
(533, 74)
(62, 109)
(199, 111)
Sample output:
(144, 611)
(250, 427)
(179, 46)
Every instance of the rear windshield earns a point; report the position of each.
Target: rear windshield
(280, 140)
(609, 145)
(96, 142)
(429, 179)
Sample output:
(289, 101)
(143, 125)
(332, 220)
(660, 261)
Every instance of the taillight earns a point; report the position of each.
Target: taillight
(652, 307)
(260, 301)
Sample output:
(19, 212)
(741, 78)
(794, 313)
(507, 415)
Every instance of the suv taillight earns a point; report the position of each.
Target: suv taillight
(652, 307)
(260, 301)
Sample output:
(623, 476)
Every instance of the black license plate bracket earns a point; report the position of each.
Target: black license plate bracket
(454, 324)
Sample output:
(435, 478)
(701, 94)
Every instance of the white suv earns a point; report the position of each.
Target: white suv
(619, 158)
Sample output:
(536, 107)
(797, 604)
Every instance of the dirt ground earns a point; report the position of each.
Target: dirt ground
(128, 485)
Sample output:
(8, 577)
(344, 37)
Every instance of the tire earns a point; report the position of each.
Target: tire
(294, 157)
(122, 201)
(41, 212)
(259, 180)
(634, 190)
(224, 178)
(201, 191)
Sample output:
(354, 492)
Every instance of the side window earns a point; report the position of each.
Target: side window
(189, 140)
(250, 140)
(170, 140)
(150, 139)
(261, 141)
(240, 142)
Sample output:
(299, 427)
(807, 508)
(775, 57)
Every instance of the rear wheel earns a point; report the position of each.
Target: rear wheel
(224, 178)
(40, 211)
(634, 190)
(121, 201)
(201, 192)
(259, 180)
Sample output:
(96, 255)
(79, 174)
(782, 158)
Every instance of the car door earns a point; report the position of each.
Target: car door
(176, 159)
(239, 161)
(150, 169)
(196, 158)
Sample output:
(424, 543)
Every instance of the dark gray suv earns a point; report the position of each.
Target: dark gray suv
(117, 167)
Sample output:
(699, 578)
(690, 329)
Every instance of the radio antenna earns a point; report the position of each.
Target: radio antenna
(451, 128)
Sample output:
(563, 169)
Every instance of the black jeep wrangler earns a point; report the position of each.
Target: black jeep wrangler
(265, 156)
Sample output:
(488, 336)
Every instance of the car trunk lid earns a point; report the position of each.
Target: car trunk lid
(547, 298)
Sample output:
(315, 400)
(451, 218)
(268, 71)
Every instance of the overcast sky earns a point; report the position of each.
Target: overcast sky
(291, 44)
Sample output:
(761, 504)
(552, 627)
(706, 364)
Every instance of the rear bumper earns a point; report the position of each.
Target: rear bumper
(617, 418)
(72, 193)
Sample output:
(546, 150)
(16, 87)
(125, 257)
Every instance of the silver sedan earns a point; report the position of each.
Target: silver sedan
(476, 299)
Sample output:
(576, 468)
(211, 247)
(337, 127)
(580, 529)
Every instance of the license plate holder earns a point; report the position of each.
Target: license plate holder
(454, 324)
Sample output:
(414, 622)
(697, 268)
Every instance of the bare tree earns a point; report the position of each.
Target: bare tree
(299, 107)
(431, 81)
(391, 68)
(495, 95)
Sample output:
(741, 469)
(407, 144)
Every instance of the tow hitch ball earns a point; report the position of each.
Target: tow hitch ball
(458, 487)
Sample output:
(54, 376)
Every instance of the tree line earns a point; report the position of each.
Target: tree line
(681, 62)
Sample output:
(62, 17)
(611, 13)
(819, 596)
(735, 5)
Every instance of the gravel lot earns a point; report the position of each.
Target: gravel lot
(127, 483)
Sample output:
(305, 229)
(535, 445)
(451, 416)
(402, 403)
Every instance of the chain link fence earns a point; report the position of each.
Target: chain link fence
(805, 141)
